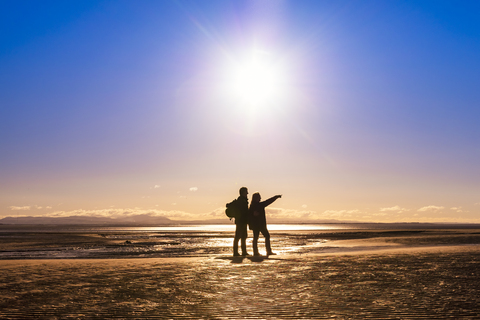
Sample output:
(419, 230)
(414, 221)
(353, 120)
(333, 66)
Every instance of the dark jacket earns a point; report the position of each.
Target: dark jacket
(256, 214)
(243, 208)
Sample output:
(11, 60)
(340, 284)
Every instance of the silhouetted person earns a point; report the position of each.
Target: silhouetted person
(241, 223)
(258, 221)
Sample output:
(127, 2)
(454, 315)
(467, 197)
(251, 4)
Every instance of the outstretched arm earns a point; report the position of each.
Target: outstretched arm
(270, 201)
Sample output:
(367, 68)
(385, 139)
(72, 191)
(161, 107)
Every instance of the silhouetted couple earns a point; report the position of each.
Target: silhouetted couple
(255, 218)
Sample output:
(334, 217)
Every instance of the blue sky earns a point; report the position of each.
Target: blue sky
(126, 107)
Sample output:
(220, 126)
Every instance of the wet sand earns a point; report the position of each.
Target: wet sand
(372, 278)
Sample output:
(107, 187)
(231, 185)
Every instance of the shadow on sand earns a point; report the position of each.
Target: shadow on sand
(240, 259)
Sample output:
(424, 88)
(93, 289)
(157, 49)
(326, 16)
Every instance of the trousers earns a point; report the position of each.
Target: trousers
(256, 235)
(241, 233)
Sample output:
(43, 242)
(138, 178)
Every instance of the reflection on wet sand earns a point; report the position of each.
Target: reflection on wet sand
(150, 243)
(346, 274)
(414, 285)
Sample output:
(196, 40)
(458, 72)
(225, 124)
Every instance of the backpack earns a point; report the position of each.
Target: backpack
(232, 210)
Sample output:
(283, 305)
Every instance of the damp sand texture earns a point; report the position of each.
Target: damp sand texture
(416, 284)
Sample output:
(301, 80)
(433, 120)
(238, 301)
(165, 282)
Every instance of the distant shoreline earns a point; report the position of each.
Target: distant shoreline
(168, 222)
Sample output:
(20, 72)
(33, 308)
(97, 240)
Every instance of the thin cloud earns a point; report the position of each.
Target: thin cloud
(394, 209)
(379, 214)
(193, 189)
(156, 186)
(15, 208)
(117, 213)
(217, 213)
(278, 214)
(431, 208)
(291, 214)
(341, 213)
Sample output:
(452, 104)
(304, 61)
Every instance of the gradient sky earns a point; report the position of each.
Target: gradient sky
(129, 107)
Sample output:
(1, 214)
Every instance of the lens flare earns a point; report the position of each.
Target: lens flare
(257, 82)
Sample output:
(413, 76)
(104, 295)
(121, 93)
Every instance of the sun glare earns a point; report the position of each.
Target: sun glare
(257, 82)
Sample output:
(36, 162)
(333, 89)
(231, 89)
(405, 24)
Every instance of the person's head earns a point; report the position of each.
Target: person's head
(256, 197)
(243, 191)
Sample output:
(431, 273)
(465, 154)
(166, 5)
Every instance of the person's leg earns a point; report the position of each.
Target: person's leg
(244, 240)
(266, 234)
(235, 242)
(256, 234)
(244, 247)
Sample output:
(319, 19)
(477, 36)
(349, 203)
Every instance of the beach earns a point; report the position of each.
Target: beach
(406, 274)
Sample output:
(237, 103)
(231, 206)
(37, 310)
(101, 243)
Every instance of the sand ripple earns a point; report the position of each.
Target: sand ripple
(418, 285)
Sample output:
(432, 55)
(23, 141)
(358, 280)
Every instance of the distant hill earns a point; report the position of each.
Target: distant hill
(148, 220)
(139, 219)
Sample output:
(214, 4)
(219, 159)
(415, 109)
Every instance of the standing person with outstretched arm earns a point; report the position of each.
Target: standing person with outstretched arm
(241, 222)
(258, 221)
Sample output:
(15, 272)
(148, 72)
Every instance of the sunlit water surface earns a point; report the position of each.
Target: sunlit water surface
(80, 241)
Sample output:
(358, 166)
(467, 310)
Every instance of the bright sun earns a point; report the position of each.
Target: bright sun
(257, 82)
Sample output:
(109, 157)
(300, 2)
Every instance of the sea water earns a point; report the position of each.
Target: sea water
(83, 241)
